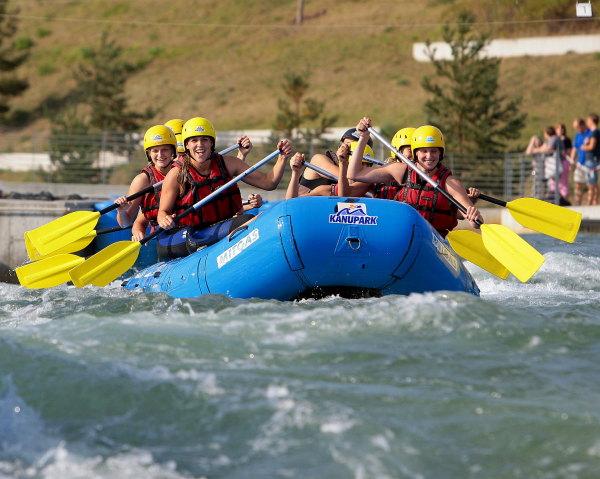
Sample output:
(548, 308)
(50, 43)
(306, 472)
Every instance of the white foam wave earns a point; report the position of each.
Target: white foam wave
(201, 382)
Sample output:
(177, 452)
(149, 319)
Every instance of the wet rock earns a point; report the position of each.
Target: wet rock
(7, 275)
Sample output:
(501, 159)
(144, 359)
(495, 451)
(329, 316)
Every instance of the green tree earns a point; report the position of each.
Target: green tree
(299, 116)
(73, 150)
(465, 99)
(101, 80)
(13, 53)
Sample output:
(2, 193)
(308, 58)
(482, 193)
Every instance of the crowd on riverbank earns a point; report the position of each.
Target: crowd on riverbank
(577, 160)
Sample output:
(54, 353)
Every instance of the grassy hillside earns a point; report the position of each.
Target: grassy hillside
(225, 60)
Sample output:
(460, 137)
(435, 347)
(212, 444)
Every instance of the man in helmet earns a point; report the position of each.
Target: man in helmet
(197, 174)
(160, 145)
(427, 147)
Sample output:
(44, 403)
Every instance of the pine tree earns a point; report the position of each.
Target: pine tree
(11, 57)
(101, 80)
(299, 116)
(465, 100)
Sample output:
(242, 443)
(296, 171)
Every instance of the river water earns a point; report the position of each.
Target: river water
(105, 383)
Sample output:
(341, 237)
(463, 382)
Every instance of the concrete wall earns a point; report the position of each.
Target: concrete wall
(518, 47)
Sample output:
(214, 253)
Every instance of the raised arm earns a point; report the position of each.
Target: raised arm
(258, 179)
(297, 165)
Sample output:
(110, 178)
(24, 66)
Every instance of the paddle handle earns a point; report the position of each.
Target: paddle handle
(112, 230)
(375, 161)
(490, 199)
(331, 176)
(215, 193)
(148, 189)
(229, 149)
(422, 174)
(321, 171)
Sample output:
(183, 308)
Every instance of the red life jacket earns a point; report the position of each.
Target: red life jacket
(150, 200)
(223, 207)
(386, 191)
(430, 204)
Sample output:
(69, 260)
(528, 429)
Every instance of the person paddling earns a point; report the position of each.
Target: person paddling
(427, 147)
(194, 176)
(160, 145)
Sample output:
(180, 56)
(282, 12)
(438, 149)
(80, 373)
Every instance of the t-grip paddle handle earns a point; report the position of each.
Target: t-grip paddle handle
(422, 174)
(215, 193)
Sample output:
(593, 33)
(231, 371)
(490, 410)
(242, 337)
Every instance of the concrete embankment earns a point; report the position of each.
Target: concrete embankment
(20, 215)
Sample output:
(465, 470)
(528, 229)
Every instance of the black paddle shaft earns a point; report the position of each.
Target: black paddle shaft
(148, 189)
(490, 199)
(112, 230)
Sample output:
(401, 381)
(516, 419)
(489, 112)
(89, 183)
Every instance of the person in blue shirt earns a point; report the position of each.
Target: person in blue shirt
(577, 158)
(592, 157)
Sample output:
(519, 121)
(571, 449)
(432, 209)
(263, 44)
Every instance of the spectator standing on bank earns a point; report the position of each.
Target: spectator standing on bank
(592, 157)
(577, 159)
(549, 149)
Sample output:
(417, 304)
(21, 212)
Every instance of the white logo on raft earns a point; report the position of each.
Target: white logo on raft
(353, 214)
(230, 253)
(445, 253)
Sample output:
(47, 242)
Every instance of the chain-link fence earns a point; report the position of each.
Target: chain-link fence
(115, 158)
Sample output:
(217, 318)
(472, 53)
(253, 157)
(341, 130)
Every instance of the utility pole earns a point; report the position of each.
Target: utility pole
(299, 12)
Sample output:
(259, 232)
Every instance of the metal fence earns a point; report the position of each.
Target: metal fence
(111, 158)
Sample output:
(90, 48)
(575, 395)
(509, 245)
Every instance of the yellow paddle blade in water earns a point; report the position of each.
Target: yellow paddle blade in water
(60, 232)
(547, 218)
(516, 254)
(469, 246)
(48, 272)
(73, 247)
(106, 265)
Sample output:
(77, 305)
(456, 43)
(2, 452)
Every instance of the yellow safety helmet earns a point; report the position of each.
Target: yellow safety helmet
(402, 138)
(158, 135)
(368, 150)
(427, 136)
(176, 124)
(197, 126)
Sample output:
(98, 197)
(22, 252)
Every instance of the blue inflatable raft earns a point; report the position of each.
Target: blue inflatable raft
(316, 246)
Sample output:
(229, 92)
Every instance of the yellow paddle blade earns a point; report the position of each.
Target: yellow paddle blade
(32, 253)
(516, 254)
(106, 265)
(48, 272)
(64, 230)
(469, 246)
(73, 247)
(547, 218)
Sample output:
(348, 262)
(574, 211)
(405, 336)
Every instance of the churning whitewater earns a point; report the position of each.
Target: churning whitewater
(102, 382)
